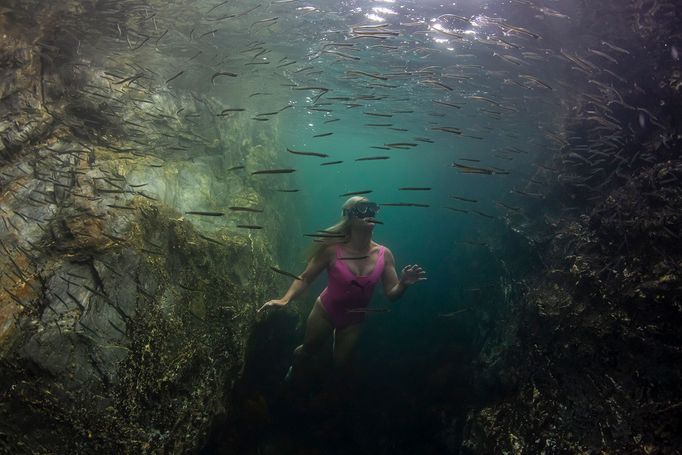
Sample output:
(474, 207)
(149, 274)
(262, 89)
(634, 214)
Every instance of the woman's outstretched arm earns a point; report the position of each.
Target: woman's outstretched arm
(394, 286)
(312, 270)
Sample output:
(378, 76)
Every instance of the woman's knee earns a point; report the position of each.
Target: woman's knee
(302, 351)
(306, 350)
(341, 360)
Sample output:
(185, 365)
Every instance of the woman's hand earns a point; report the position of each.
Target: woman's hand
(275, 302)
(411, 274)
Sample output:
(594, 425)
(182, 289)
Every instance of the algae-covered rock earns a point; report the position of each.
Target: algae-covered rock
(123, 320)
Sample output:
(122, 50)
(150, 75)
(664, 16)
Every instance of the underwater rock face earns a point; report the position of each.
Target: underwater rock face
(594, 341)
(123, 321)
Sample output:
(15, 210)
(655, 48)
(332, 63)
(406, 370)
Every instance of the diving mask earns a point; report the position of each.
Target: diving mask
(362, 210)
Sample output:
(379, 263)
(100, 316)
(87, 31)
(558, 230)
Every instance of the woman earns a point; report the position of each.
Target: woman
(355, 263)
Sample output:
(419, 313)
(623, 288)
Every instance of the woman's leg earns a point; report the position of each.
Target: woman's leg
(318, 330)
(344, 345)
(341, 381)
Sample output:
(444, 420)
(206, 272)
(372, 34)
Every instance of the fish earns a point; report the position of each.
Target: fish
(234, 168)
(437, 83)
(378, 114)
(271, 20)
(516, 209)
(454, 209)
(162, 35)
(245, 209)
(362, 73)
(482, 98)
(341, 54)
(209, 239)
(510, 59)
(519, 30)
(285, 273)
(524, 193)
(338, 45)
(322, 89)
(443, 103)
(274, 171)
(225, 112)
(329, 163)
(615, 48)
(216, 6)
(473, 170)
(304, 69)
(483, 214)
(332, 120)
(128, 79)
(414, 188)
(352, 193)
(249, 226)
(176, 76)
(378, 124)
(321, 155)
(207, 33)
(449, 315)
(205, 213)
(288, 191)
(326, 236)
(463, 199)
(401, 144)
(369, 310)
(369, 158)
(222, 73)
(536, 80)
(323, 135)
(146, 196)
(447, 129)
(78, 302)
(405, 204)
(468, 242)
(353, 258)
(603, 54)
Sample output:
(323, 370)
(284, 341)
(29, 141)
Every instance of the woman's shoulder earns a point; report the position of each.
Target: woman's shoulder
(387, 251)
(381, 249)
(378, 245)
(330, 251)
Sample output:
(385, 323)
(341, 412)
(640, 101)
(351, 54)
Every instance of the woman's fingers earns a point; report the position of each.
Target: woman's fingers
(265, 305)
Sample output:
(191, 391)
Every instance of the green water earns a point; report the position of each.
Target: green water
(480, 95)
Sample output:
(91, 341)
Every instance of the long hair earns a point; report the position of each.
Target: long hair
(342, 227)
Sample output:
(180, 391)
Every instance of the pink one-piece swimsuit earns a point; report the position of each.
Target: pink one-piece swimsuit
(346, 291)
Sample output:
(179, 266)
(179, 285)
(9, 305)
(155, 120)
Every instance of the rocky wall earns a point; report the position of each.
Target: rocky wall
(591, 346)
(123, 320)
